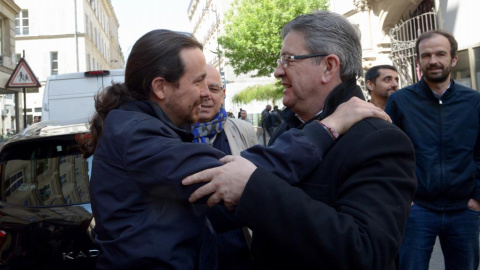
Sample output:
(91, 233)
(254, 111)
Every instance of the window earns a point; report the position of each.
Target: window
(86, 25)
(91, 31)
(21, 23)
(89, 64)
(13, 183)
(54, 63)
(468, 62)
(461, 72)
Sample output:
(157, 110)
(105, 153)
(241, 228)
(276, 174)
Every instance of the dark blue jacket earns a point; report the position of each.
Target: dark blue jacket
(445, 134)
(143, 217)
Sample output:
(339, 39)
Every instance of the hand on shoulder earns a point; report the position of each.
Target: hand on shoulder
(351, 112)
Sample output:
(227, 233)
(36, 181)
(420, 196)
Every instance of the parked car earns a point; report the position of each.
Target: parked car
(45, 212)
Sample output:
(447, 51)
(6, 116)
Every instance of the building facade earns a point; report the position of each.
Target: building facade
(64, 36)
(8, 10)
(390, 28)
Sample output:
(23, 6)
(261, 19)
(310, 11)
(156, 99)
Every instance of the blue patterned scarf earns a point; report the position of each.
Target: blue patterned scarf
(204, 132)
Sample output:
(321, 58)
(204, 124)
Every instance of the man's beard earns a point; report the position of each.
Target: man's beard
(440, 78)
(187, 116)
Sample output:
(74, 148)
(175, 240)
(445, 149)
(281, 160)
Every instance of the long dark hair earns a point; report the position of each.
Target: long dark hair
(155, 54)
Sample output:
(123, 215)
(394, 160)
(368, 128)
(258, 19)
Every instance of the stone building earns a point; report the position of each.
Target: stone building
(390, 27)
(59, 36)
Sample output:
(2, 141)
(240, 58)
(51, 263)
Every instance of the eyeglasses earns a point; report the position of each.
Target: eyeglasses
(285, 59)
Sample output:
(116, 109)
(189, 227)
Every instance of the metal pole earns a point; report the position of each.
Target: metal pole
(24, 103)
(24, 107)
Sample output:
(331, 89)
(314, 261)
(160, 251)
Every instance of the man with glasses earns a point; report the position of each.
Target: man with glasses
(350, 212)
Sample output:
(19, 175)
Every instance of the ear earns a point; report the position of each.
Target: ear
(370, 85)
(158, 87)
(224, 96)
(454, 60)
(332, 68)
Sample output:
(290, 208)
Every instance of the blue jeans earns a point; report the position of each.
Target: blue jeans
(458, 232)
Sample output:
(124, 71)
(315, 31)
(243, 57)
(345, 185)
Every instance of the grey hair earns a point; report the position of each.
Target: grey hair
(328, 32)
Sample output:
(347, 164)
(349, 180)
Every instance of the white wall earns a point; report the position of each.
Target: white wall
(460, 17)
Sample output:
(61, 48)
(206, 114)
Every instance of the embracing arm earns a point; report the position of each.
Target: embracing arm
(227, 182)
(310, 143)
(158, 160)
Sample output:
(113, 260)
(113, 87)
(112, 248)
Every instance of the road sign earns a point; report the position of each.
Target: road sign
(22, 77)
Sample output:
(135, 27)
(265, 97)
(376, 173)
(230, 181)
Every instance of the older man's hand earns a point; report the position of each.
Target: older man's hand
(351, 112)
(226, 183)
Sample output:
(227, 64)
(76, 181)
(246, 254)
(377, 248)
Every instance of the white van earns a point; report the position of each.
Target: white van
(69, 96)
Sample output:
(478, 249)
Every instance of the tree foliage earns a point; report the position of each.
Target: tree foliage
(268, 92)
(252, 40)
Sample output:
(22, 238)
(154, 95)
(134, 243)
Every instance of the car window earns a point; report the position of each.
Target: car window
(45, 173)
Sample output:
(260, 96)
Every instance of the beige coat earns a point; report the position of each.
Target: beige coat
(240, 134)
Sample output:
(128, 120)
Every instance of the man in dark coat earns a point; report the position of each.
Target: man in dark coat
(351, 211)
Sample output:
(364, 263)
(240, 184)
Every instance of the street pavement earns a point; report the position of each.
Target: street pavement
(436, 261)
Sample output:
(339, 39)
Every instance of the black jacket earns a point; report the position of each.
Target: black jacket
(349, 213)
(446, 134)
(143, 217)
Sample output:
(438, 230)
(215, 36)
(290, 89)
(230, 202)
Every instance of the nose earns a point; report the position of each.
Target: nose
(395, 84)
(204, 91)
(433, 59)
(279, 70)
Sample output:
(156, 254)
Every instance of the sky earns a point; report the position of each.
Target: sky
(138, 17)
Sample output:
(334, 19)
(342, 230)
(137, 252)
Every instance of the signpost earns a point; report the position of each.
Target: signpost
(22, 77)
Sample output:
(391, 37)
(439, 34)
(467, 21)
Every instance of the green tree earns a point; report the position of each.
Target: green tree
(267, 92)
(252, 40)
